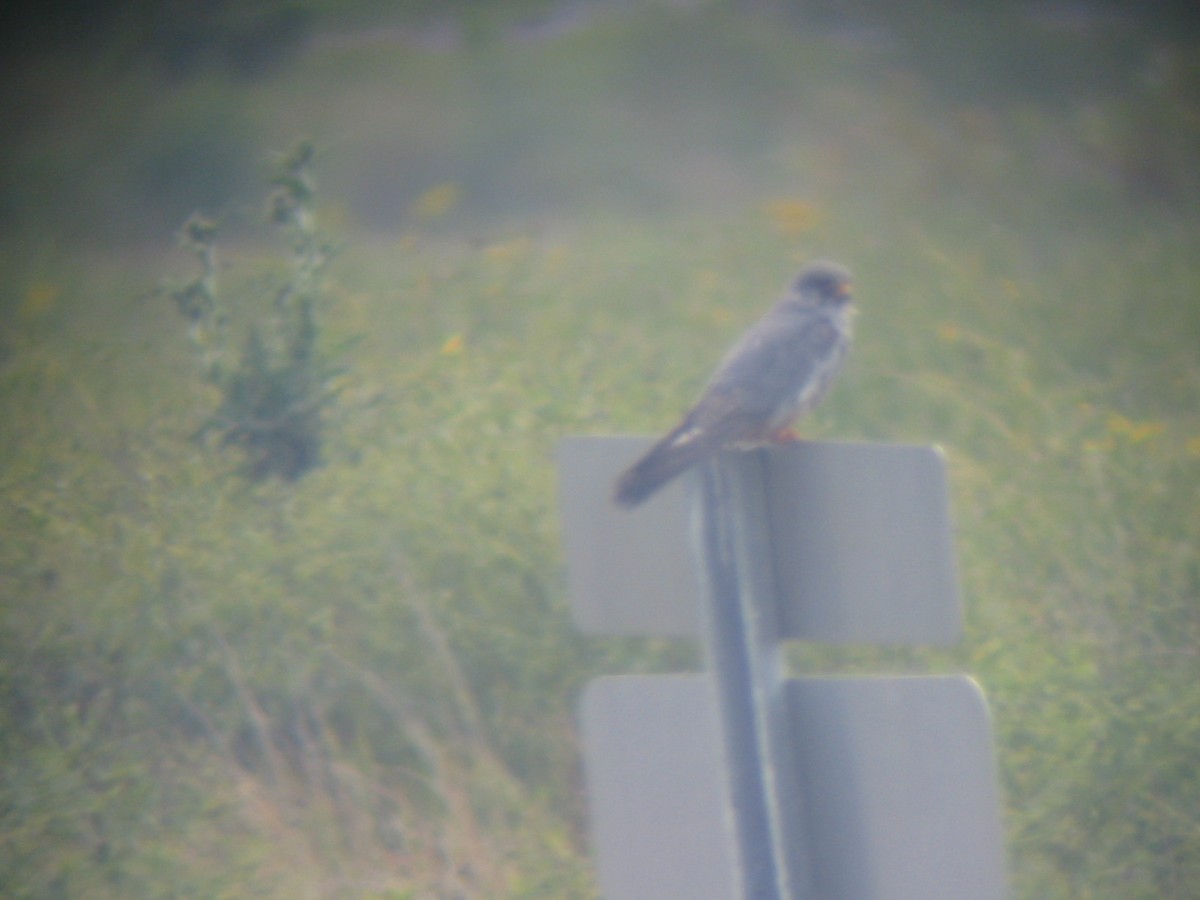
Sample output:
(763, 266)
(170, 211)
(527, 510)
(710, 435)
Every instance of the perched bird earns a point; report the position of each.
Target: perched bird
(778, 371)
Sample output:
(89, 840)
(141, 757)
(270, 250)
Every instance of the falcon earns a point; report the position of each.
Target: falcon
(777, 371)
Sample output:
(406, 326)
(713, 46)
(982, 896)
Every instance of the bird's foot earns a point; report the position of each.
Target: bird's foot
(785, 436)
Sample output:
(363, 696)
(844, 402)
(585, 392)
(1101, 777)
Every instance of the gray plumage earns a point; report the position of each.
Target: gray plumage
(776, 372)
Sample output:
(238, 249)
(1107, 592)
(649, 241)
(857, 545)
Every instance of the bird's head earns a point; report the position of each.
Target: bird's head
(823, 283)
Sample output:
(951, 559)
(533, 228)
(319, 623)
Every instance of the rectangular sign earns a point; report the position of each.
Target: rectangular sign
(863, 545)
(657, 788)
(860, 537)
(897, 784)
(899, 787)
(630, 572)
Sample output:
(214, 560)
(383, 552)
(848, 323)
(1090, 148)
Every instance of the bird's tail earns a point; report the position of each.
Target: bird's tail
(666, 460)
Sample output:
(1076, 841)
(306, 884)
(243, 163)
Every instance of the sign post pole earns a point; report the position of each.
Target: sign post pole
(741, 635)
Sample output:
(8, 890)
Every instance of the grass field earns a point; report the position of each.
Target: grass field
(361, 683)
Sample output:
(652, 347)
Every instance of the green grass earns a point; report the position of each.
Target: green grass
(362, 684)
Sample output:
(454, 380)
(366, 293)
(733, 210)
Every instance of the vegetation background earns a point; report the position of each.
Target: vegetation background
(358, 679)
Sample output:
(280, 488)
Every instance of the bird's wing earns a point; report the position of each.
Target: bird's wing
(715, 422)
(726, 413)
(785, 355)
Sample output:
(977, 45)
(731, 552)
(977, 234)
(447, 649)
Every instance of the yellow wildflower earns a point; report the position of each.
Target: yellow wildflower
(794, 217)
(508, 251)
(38, 301)
(438, 200)
(1134, 432)
(1145, 431)
(949, 332)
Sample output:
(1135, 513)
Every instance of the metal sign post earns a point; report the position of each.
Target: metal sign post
(741, 633)
(742, 783)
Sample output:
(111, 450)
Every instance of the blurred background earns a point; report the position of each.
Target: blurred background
(298, 297)
(122, 118)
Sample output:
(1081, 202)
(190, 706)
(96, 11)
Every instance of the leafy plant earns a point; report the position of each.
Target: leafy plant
(274, 394)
